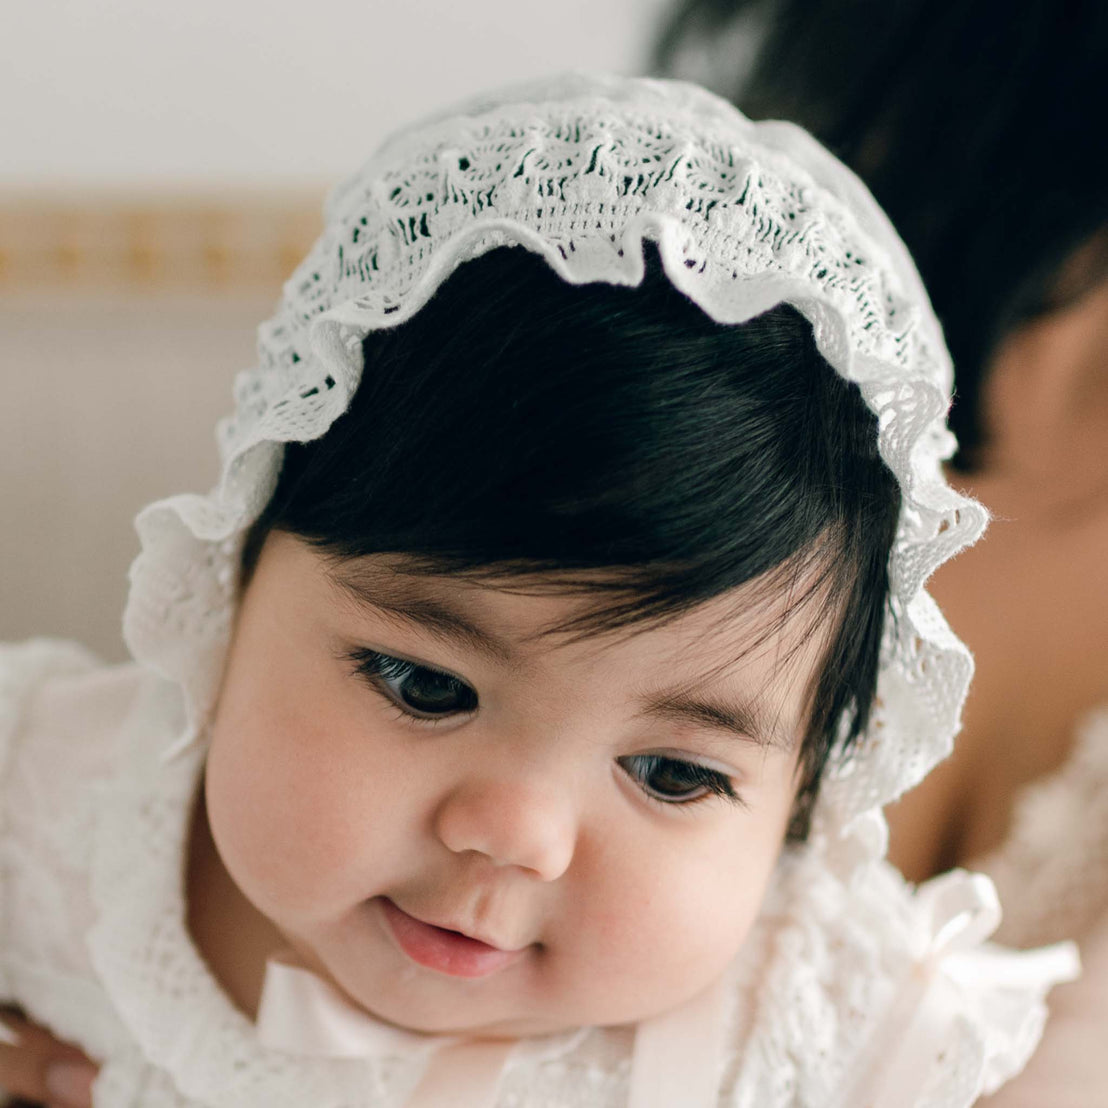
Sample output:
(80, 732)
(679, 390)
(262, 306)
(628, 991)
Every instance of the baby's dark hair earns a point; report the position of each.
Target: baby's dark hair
(620, 439)
(945, 109)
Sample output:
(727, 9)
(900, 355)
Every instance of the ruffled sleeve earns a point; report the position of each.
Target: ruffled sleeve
(24, 668)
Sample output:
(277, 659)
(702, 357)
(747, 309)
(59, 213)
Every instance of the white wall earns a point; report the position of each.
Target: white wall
(107, 403)
(270, 91)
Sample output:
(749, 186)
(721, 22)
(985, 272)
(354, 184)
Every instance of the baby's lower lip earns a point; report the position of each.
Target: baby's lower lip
(445, 951)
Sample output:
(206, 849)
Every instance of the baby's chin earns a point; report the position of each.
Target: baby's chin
(431, 1016)
(428, 1012)
(458, 1010)
(412, 1002)
(497, 1029)
(434, 1018)
(514, 1002)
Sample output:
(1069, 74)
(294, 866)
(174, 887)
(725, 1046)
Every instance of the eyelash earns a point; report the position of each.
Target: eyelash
(381, 670)
(714, 783)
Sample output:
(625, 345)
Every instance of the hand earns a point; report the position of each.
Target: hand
(41, 1070)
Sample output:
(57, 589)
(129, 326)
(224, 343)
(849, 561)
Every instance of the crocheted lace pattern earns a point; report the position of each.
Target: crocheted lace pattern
(99, 950)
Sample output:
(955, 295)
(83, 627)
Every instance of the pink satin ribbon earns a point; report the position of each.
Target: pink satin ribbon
(677, 1057)
(952, 972)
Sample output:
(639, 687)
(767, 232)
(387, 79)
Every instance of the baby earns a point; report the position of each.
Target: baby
(517, 734)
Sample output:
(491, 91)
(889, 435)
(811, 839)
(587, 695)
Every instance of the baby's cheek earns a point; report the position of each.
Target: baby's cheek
(282, 825)
(651, 938)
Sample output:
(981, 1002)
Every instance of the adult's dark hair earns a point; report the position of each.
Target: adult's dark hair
(979, 127)
(649, 456)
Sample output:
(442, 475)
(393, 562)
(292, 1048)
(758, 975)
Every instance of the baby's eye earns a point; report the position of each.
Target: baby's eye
(417, 690)
(673, 781)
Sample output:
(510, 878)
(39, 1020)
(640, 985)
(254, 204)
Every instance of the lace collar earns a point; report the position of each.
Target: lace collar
(157, 980)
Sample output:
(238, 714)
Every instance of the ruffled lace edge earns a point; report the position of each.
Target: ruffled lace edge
(950, 1016)
(187, 532)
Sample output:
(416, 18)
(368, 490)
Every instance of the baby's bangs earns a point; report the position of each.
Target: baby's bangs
(610, 442)
(618, 601)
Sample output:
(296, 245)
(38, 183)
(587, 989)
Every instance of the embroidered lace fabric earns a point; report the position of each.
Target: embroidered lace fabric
(105, 960)
(581, 171)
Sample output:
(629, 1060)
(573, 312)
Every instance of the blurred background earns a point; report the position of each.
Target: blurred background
(162, 171)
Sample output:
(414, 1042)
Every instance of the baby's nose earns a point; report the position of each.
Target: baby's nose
(512, 822)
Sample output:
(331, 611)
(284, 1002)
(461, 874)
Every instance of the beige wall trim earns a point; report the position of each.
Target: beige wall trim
(134, 243)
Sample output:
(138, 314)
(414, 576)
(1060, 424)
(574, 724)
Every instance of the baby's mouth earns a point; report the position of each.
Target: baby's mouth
(442, 949)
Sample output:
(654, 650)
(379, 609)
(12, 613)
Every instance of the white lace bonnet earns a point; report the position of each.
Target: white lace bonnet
(582, 170)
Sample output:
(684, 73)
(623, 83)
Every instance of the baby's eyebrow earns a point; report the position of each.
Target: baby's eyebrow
(396, 595)
(748, 721)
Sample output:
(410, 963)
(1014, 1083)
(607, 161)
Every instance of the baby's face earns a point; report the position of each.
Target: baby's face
(396, 760)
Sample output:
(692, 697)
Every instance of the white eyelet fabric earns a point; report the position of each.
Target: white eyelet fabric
(582, 171)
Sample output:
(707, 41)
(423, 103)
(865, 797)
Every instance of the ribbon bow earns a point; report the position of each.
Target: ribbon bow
(302, 1014)
(676, 1057)
(953, 975)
